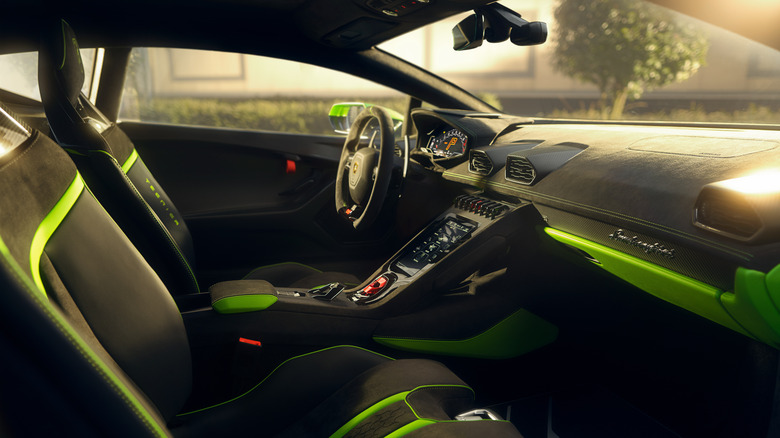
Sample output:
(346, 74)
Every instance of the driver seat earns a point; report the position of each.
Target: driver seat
(113, 169)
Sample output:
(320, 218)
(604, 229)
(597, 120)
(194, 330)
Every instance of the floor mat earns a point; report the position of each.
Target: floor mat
(583, 412)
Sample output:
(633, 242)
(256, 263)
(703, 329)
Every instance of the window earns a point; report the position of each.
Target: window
(20, 73)
(233, 90)
(737, 81)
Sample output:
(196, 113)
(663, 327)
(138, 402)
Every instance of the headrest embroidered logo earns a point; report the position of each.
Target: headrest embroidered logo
(355, 167)
(648, 248)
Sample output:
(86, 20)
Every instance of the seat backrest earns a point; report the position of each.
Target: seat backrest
(72, 257)
(110, 164)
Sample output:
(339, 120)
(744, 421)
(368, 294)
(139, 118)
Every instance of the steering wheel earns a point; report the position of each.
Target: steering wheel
(361, 196)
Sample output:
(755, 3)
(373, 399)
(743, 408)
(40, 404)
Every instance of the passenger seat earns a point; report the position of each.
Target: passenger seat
(94, 345)
(110, 164)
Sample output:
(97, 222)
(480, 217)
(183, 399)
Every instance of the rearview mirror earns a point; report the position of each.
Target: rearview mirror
(496, 23)
(469, 33)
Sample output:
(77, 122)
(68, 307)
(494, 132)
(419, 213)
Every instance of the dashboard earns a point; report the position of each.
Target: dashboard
(673, 210)
(447, 136)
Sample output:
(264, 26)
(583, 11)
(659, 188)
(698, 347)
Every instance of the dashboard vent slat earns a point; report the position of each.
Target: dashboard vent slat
(520, 170)
(727, 213)
(480, 163)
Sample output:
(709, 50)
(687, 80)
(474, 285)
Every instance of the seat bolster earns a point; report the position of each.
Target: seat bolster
(138, 221)
(75, 387)
(33, 178)
(466, 429)
(124, 302)
(294, 388)
(121, 145)
(376, 387)
(160, 203)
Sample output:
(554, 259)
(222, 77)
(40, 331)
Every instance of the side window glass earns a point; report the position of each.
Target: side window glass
(234, 90)
(20, 73)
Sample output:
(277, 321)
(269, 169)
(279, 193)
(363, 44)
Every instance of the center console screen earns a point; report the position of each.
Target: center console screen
(433, 245)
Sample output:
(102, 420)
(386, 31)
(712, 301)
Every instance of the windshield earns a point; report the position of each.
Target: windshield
(609, 59)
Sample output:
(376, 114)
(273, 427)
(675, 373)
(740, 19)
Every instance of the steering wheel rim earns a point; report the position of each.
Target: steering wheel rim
(357, 179)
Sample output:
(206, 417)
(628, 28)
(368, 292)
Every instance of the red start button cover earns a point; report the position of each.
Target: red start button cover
(376, 286)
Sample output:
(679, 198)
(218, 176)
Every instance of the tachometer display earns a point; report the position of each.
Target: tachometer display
(448, 142)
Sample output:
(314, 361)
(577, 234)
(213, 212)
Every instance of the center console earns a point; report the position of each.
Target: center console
(474, 230)
(438, 240)
(457, 243)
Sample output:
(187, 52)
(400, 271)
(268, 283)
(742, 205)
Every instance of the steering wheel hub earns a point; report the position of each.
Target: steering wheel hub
(361, 175)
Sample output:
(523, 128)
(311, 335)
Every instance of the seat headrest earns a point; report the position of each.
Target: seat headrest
(61, 50)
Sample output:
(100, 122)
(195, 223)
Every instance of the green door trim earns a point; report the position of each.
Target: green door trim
(515, 335)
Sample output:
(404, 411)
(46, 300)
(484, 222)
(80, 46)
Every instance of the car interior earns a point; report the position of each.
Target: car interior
(451, 270)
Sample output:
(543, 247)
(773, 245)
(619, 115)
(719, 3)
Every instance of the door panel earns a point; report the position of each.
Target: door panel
(246, 209)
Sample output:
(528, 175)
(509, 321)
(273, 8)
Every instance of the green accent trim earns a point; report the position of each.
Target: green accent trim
(272, 372)
(680, 290)
(130, 161)
(49, 225)
(481, 182)
(342, 109)
(517, 334)
(414, 425)
(754, 303)
(64, 44)
(83, 348)
(75, 152)
(243, 303)
(376, 407)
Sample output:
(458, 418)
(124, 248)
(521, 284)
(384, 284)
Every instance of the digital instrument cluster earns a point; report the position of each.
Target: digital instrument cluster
(447, 142)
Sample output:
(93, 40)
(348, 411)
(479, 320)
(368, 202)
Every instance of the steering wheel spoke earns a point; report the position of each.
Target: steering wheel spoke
(367, 166)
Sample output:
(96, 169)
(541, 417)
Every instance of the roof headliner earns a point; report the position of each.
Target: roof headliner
(290, 25)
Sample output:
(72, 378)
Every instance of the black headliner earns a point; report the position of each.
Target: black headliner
(255, 26)
(236, 25)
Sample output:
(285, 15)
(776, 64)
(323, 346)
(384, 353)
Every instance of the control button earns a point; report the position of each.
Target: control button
(332, 293)
(420, 257)
(375, 286)
(488, 207)
(497, 211)
(324, 289)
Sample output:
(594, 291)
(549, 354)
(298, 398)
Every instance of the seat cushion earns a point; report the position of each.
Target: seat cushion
(318, 393)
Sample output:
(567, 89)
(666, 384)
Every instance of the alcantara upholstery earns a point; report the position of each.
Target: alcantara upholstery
(110, 164)
(92, 339)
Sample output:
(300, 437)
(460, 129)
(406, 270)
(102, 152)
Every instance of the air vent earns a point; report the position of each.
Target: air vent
(726, 213)
(529, 166)
(520, 170)
(480, 163)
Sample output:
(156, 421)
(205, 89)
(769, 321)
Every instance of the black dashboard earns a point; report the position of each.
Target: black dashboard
(670, 209)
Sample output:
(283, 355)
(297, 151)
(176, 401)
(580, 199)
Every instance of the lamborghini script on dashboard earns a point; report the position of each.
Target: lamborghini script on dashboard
(648, 248)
